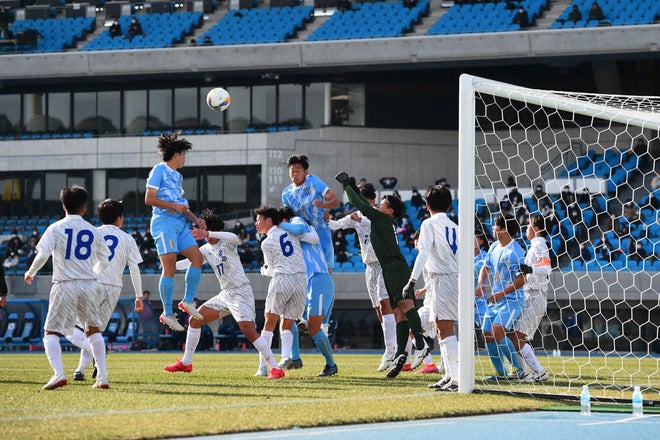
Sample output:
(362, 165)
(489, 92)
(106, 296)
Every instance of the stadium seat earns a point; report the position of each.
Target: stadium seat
(112, 330)
(132, 327)
(12, 327)
(29, 329)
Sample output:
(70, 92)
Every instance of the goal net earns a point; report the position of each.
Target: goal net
(588, 164)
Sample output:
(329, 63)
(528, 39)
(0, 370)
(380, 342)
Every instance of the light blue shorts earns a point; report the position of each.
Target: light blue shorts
(320, 296)
(171, 234)
(502, 313)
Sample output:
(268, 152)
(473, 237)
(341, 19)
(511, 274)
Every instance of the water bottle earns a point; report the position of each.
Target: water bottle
(637, 402)
(585, 401)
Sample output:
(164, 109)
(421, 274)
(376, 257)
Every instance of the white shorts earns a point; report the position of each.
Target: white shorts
(428, 325)
(239, 302)
(287, 295)
(528, 322)
(71, 303)
(375, 284)
(444, 297)
(109, 296)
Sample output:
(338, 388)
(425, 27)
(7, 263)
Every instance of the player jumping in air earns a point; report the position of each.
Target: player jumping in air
(168, 226)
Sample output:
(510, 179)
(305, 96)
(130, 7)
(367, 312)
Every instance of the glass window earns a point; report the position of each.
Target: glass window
(348, 104)
(263, 105)
(290, 104)
(84, 111)
(109, 110)
(238, 113)
(34, 112)
(160, 108)
(59, 111)
(10, 113)
(135, 111)
(185, 107)
(317, 104)
(128, 185)
(235, 188)
(213, 118)
(190, 176)
(55, 181)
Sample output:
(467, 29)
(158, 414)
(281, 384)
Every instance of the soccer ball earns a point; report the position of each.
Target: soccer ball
(218, 99)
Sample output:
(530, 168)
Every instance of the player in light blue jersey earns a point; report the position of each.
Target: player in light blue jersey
(320, 292)
(507, 298)
(309, 197)
(168, 226)
(480, 254)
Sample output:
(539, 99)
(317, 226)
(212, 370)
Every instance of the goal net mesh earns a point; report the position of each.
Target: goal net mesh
(587, 163)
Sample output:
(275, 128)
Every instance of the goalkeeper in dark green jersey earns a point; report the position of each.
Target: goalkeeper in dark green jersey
(395, 270)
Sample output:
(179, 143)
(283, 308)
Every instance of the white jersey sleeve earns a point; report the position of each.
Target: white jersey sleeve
(538, 257)
(363, 231)
(438, 235)
(123, 250)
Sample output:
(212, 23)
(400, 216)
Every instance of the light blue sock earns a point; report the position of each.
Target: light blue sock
(295, 347)
(508, 351)
(495, 358)
(193, 275)
(323, 344)
(166, 290)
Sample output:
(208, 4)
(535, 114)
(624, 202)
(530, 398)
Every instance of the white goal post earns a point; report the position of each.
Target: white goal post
(568, 140)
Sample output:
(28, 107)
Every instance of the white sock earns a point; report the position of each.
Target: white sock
(521, 361)
(428, 360)
(79, 339)
(443, 357)
(98, 348)
(409, 349)
(192, 339)
(53, 351)
(325, 328)
(287, 343)
(529, 356)
(265, 352)
(268, 337)
(389, 332)
(451, 345)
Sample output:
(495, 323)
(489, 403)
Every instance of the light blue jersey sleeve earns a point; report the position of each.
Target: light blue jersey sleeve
(505, 265)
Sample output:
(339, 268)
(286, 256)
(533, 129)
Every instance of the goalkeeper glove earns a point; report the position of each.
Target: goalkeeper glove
(525, 269)
(345, 180)
(409, 290)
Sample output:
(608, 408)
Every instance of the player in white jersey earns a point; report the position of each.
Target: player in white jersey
(438, 256)
(320, 292)
(284, 262)
(380, 300)
(79, 255)
(537, 270)
(235, 296)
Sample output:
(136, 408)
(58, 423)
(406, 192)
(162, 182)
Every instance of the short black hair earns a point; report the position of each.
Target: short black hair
(170, 143)
(509, 223)
(74, 198)
(269, 212)
(110, 210)
(367, 190)
(438, 198)
(213, 221)
(287, 213)
(302, 160)
(396, 204)
(539, 222)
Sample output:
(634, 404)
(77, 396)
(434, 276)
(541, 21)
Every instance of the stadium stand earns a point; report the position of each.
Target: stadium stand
(50, 34)
(258, 26)
(159, 30)
(616, 14)
(371, 20)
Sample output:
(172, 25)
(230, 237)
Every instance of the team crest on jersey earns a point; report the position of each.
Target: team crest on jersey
(307, 191)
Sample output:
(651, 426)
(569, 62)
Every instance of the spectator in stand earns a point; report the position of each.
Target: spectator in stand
(3, 289)
(35, 234)
(15, 244)
(148, 238)
(134, 29)
(247, 256)
(137, 237)
(636, 251)
(193, 42)
(516, 198)
(630, 211)
(511, 182)
(521, 18)
(5, 19)
(417, 200)
(339, 241)
(207, 41)
(344, 5)
(443, 182)
(585, 253)
(410, 3)
(388, 182)
(149, 325)
(11, 262)
(605, 250)
(652, 202)
(566, 198)
(30, 250)
(575, 15)
(115, 29)
(655, 183)
(423, 214)
(596, 12)
(543, 202)
(238, 227)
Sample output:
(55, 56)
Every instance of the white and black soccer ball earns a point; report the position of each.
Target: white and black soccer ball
(218, 99)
